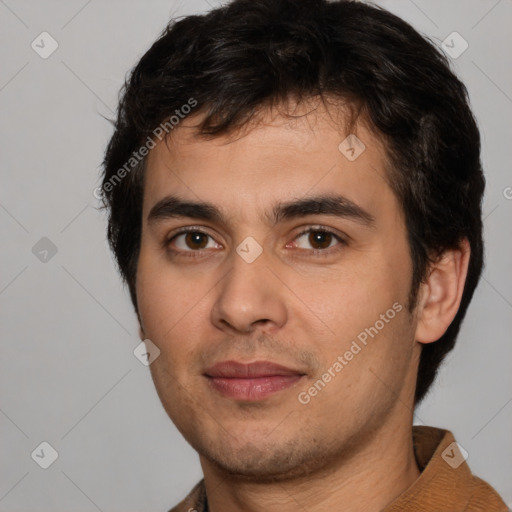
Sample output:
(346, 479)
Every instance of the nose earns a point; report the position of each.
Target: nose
(249, 295)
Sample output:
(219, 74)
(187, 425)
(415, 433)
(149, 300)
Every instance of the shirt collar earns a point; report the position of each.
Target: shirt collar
(445, 475)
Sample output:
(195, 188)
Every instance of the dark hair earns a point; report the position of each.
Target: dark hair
(252, 54)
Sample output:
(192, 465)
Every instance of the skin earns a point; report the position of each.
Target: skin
(350, 447)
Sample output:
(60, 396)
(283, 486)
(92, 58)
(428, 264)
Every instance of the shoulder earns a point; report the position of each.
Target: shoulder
(485, 497)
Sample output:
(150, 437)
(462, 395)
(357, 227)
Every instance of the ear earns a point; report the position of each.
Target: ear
(441, 294)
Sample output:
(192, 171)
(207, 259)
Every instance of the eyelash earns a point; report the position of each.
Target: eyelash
(315, 252)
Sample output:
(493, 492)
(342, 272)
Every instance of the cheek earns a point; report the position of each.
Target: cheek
(157, 307)
(173, 307)
(164, 296)
(352, 297)
(363, 304)
(361, 380)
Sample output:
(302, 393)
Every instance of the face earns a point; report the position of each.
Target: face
(282, 324)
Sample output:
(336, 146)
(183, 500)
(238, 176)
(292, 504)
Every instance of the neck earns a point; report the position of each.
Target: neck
(366, 481)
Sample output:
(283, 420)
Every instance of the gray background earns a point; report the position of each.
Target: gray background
(68, 375)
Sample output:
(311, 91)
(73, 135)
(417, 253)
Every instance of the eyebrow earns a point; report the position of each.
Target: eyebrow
(335, 205)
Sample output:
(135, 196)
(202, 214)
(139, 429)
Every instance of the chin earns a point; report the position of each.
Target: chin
(266, 463)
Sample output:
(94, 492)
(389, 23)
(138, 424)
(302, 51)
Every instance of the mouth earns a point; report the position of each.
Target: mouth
(251, 382)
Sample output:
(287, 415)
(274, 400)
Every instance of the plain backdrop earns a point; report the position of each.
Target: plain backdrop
(68, 375)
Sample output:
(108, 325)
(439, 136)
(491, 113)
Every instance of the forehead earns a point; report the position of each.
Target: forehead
(275, 158)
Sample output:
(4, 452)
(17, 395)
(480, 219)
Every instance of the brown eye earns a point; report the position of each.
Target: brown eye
(191, 241)
(317, 239)
(196, 240)
(320, 239)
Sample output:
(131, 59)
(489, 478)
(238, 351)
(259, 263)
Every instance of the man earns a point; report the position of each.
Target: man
(294, 190)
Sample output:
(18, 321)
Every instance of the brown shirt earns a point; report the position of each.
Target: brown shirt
(445, 484)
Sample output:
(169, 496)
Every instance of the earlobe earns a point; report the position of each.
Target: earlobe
(441, 293)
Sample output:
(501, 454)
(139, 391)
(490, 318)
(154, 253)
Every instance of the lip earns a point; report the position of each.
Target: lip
(251, 381)
(235, 369)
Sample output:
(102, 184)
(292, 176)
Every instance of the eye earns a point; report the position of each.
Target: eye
(191, 240)
(320, 239)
